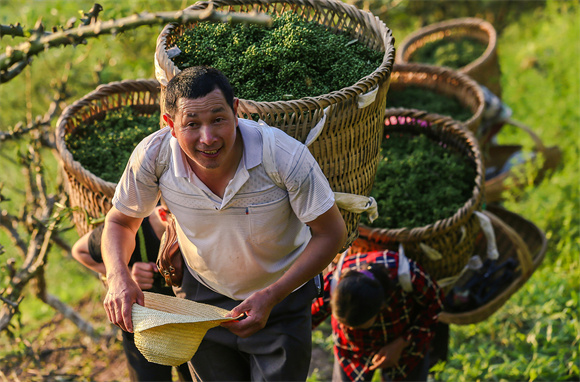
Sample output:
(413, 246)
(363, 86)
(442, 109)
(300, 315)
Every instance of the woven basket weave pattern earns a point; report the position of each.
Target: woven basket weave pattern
(484, 70)
(453, 237)
(348, 148)
(91, 194)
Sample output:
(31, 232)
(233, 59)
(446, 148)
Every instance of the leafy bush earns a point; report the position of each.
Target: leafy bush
(104, 146)
(416, 97)
(294, 58)
(418, 182)
(451, 52)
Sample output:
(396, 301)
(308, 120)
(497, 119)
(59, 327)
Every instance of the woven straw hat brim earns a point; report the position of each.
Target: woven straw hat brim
(168, 330)
(146, 318)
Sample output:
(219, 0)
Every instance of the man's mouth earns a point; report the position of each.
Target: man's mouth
(210, 153)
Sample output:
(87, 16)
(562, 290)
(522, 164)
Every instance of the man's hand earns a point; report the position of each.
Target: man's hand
(389, 355)
(142, 274)
(257, 309)
(122, 294)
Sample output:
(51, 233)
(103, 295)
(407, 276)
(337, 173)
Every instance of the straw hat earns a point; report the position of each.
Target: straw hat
(168, 330)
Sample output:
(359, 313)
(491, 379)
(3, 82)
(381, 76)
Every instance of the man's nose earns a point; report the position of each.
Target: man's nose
(207, 136)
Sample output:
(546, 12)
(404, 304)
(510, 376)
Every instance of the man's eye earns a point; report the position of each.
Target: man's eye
(219, 119)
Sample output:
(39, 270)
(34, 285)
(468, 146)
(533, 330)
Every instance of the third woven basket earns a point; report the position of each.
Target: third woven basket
(453, 237)
(485, 69)
(348, 145)
(447, 82)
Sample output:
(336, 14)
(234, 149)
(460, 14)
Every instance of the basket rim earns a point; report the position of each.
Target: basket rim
(469, 22)
(74, 167)
(380, 75)
(406, 234)
(444, 72)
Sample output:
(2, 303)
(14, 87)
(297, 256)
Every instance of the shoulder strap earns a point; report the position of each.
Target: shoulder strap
(268, 153)
(162, 162)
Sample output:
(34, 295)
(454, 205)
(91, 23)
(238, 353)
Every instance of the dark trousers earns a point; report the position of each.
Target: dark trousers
(141, 370)
(279, 352)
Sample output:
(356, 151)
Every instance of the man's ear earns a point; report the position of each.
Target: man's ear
(169, 121)
(236, 103)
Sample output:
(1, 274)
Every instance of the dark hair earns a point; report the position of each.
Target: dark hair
(196, 82)
(358, 297)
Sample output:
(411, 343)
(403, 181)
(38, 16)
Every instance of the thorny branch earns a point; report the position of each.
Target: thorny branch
(11, 62)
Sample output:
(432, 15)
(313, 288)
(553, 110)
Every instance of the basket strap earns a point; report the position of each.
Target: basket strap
(349, 202)
(487, 227)
(368, 98)
(317, 129)
(404, 270)
(337, 272)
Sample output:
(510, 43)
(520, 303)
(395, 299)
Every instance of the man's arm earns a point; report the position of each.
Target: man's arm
(118, 243)
(328, 235)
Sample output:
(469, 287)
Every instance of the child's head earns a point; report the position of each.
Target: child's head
(360, 295)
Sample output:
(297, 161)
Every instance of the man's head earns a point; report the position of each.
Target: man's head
(196, 82)
(201, 113)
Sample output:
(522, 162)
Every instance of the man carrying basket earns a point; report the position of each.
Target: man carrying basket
(249, 246)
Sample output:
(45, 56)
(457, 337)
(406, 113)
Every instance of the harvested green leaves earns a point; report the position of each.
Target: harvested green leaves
(454, 52)
(292, 59)
(415, 97)
(419, 182)
(103, 147)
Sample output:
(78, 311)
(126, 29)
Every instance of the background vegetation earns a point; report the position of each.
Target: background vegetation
(534, 336)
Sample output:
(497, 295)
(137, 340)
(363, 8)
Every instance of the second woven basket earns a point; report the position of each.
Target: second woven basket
(453, 237)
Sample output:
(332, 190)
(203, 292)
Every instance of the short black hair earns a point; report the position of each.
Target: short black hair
(196, 82)
(358, 298)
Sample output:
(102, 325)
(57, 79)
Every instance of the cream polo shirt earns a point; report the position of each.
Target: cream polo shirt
(247, 240)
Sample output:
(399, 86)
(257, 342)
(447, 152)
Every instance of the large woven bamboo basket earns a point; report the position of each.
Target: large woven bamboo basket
(453, 237)
(90, 195)
(444, 81)
(516, 238)
(348, 146)
(485, 69)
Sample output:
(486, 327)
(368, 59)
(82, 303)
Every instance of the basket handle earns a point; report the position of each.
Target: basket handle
(537, 141)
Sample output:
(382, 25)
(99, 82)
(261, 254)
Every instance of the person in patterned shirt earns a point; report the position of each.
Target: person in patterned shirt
(377, 323)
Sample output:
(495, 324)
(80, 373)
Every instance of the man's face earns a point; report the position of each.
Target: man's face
(206, 131)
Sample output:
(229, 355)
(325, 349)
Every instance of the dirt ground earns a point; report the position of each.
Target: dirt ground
(59, 351)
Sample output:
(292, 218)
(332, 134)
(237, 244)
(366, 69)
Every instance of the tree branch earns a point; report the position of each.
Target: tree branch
(39, 42)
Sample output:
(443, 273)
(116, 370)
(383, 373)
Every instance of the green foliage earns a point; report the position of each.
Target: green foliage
(451, 52)
(292, 59)
(419, 182)
(416, 97)
(104, 146)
